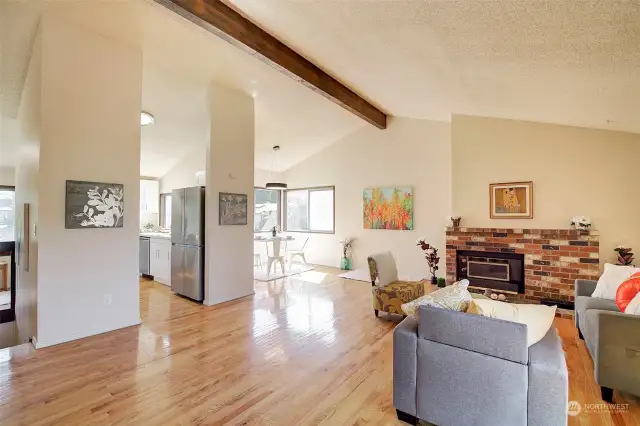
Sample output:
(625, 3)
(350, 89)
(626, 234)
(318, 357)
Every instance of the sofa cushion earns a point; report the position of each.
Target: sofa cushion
(610, 280)
(455, 297)
(548, 382)
(537, 318)
(633, 308)
(583, 303)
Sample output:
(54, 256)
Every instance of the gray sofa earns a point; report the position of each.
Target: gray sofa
(612, 338)
(455, 368)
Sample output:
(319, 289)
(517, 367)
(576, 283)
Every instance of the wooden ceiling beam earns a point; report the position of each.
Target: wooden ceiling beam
(221, 20)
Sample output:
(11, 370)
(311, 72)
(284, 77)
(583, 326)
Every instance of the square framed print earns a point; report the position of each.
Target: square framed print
(233, 209)
(94, 205)
(511, 200)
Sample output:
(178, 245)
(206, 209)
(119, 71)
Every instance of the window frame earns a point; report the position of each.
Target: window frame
(12, 188)
(280, 196)
(163, 206)
(309, 190)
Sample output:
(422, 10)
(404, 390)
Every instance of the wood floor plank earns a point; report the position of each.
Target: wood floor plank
(304, 350)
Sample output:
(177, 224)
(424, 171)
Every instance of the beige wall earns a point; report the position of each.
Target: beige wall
(7, 176)
(409, 152)
(576, 171)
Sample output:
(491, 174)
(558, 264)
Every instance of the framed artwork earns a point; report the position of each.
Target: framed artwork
(94, 205)
(232, 209)
(388, 208)
(511, 200)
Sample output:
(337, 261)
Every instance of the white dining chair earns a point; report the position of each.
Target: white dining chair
(257, 261)
(297, 252)
(275, 255)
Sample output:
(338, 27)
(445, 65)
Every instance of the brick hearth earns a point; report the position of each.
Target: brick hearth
(554, 258)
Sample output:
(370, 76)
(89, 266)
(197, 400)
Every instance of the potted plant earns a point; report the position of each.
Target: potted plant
(345, 262)
(581, 223)
(431, 254)
(455, 221)
(625, 255)
(442, 282)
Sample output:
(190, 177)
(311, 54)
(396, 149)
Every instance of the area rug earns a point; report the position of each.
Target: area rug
(357, 275)
(261, 275)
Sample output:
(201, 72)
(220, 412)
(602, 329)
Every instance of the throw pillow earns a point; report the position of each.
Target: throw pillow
(455, 297)
(633, 308)
(610, 280)
(537, 318)
(627, 291)
(474, 308)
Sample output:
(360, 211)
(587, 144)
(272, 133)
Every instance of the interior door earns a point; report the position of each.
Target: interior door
(177, 268)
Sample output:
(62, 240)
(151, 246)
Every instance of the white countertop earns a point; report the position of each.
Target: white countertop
(163, 235)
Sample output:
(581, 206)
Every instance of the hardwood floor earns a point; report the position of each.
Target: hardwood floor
(304, 350)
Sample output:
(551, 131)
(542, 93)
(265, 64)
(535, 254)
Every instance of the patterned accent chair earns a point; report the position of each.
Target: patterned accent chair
(388, 292)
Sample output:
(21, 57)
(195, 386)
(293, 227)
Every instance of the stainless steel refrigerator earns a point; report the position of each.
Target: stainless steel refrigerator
(187, 242)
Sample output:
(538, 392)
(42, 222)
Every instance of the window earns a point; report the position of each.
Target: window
(7, 213)
(310, 210)
(165, 211)
(267, 209)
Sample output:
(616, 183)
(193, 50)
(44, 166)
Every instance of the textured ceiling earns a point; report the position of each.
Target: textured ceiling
(573, 62)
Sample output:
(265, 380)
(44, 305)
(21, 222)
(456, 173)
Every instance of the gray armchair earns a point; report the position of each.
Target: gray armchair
(612, 338)
(455, 368)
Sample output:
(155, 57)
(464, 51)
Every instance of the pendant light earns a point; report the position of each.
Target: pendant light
(275, 185)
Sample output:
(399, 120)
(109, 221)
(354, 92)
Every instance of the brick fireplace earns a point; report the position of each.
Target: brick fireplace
(553, 258)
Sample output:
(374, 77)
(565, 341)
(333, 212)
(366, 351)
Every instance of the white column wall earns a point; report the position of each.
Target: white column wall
(229, 168)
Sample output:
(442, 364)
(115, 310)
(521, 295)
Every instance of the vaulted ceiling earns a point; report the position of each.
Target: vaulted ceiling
(572, 62)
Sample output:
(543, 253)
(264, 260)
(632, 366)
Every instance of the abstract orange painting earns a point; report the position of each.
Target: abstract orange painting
(388, 208)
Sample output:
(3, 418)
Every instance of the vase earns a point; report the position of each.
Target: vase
(274, 233)
(345, 264)
(434, 280)
(455, 222)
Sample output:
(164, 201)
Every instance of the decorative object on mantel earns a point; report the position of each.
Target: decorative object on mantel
(495, 296)
(625, 255)
(232, 209)
(274, 230)
(455, 221)
(388, 208)
(94, 205)
(511, 200)
(431, 254)
(442, 282)
(580, 223)
(345, 261)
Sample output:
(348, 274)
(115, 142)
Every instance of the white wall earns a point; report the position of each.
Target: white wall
(230, 157)
(575, 171)
(7, 176)
(409, 152)
(91, 92)
(183, 174)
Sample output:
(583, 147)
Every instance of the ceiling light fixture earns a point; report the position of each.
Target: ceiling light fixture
(275, 185)
(146, 119)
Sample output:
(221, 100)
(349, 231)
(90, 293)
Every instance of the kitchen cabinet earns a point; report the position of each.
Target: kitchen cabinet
(149, 196)
(160, 260)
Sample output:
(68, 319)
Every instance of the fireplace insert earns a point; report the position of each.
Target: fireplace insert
(495, 271)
